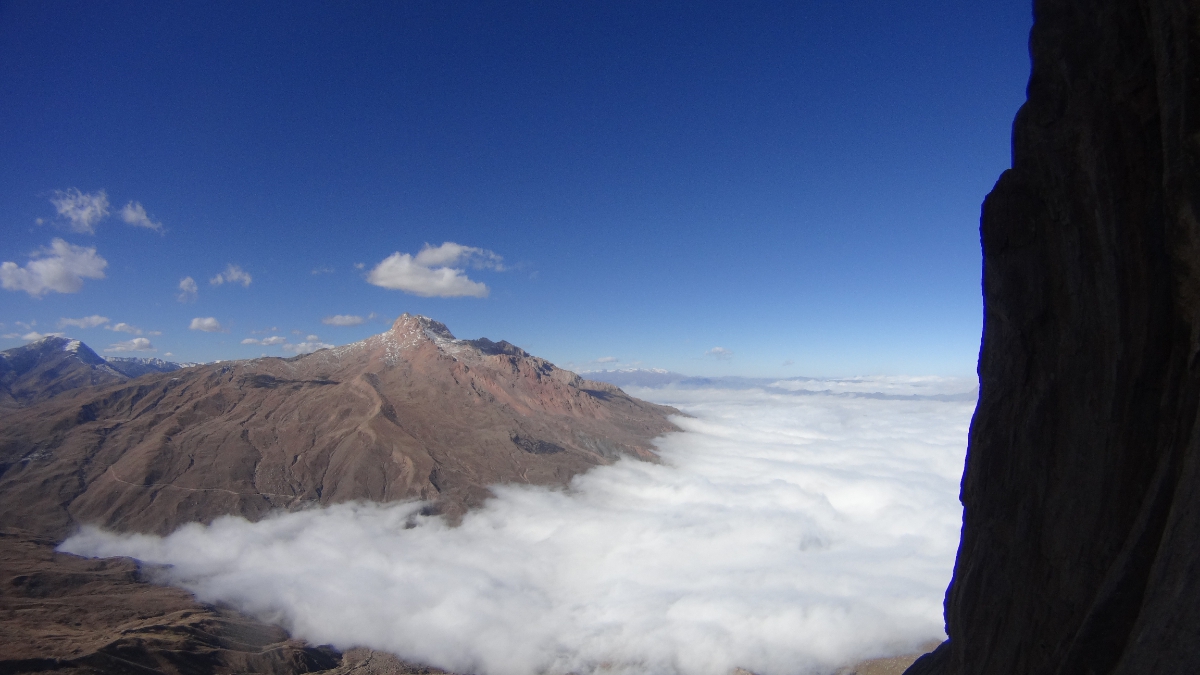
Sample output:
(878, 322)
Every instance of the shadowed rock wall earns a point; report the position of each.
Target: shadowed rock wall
(1080, 549)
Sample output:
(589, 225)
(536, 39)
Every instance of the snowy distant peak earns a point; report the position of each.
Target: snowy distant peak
(138, 366)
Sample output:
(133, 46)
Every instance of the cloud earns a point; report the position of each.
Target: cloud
(86, 322)
(134, 214)
(61, 268)
(306, 347)
(269, 341)
(436, 271)
(187, 290)
(719, 353)
(780, 534)
(125, 328)
(343, 320)
(233, 274)
(82, 210)
(135, 345)
(323, 270)
(607, 359)
(313, 338)
(32, 336)
(359, 266)
(207, 324)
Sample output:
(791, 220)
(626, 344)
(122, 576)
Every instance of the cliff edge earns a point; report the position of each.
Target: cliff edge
(1081, 494)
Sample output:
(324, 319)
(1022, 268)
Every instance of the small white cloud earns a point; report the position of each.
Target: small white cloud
(233, 274)
(61, 268)
(124, 328)
(168, 354)
(270, 341)
(719, 353)
(34, 336)
(154, 332)
(134, 214)
(306, 347)
(82, 210)
(359, 266)
(436, 271)
(343, 320)
(607, 359)
(135, 345)
(86, 322)
(187, 290)
(323, 270)
(207, 324)
(313, 338)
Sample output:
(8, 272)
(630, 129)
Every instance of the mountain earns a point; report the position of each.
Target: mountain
(44, 369)
(132, 367)
(1081, 495)
(411, 413)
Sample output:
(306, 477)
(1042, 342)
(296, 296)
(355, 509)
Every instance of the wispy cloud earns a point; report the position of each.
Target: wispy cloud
(719, 353)
(188, 291)
(607, 359)
(135, 345)
(60, 267)
(323, 270)
(343, 320)
(82, 210)
(207, 324)
(134, 214)
(86, 322)
(306, 347)
(233, 274)
(436, 271)
(267, 341)
(124, 328)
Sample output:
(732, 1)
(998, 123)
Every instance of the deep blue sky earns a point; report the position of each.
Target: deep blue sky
(795, 182)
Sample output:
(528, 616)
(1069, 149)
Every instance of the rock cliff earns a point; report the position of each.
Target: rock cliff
(1081, 494)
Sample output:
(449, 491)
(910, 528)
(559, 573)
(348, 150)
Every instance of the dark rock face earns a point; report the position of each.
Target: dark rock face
(1081, 529)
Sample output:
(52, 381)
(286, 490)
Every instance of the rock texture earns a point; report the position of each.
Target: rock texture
(411, 413)
(1081, 530)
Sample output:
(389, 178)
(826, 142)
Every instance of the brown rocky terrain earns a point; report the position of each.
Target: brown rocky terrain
(411, 413)
(1081, 526)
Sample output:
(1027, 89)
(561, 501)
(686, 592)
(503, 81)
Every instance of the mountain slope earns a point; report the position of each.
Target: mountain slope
(44, 369)
(410, 413)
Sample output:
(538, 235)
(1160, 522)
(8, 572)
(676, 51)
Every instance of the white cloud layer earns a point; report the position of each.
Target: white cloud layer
(187, 290)
(436, 271)
(896, 385)
(135, 345)
(781, 534)
(60, 267)
(343, 320)
(82, 210)
(86, 322)
(134, 214)
(207, 324)
(233, 274)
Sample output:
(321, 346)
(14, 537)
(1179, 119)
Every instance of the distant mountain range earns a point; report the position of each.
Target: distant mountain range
(881, 387)
(44, 369)
(411, 413)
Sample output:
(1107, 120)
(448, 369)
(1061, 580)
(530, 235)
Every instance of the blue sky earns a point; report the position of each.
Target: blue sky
(626, 184)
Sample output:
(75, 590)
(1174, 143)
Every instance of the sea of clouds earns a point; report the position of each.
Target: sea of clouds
(781, 534)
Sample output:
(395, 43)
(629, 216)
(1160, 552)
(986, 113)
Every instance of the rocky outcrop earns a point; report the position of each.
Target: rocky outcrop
(1081, 526)
(413, 413)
